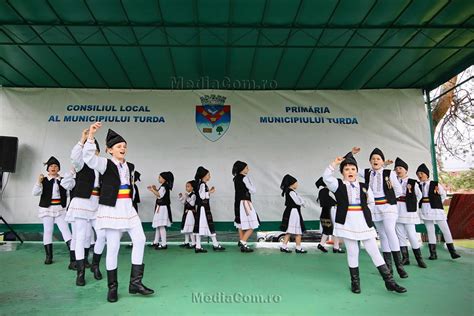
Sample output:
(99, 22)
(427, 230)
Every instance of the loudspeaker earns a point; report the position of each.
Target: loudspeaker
(8, 153)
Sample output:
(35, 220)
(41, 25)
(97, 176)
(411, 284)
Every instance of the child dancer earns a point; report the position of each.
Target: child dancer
(53, 200)
(116, 213)
(292, 222)
(187, 221)
(386, 189)
(136, 193)
(246, 219)
(204, 224)
(407, 214)
(431, 206)
(162, 217)
(353, 220)
(327, 204)
(83, 210)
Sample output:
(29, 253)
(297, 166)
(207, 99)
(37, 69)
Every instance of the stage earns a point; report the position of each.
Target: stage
(263, 282)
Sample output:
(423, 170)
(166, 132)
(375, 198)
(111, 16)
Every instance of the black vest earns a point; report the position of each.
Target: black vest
(165, 199)
(47, 193)
(410, 197)
(110, 183)
(188, 206)
(290, 204)
(343, 203)
(325, 200)
(389, 192)
(435, 198)
(85, 179)
(241, 190)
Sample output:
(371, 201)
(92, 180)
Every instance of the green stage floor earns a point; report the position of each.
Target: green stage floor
(310, 284)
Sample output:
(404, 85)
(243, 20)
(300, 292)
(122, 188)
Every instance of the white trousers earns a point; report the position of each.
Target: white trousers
(352, 248)
(388, 235)
(113, 245)
(189, 237)
(83, 236)
(100, 241)
(335, 240)
(443, 225)
(405, 231)
(160, 232)
(215, 243)
(48, 228)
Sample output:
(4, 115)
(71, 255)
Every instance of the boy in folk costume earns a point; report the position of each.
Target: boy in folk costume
(116, 213)
(246, 219)
(204, 224)
(386, 189)
(353, 220)
(53, 201)
(85, 189)
(292, 222)
(162, 217)
(328, 207)
(188, 220)
(432, 212)
(407, 214)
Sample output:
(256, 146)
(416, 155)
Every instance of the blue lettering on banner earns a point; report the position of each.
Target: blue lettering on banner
(308, 119)
(100, 111)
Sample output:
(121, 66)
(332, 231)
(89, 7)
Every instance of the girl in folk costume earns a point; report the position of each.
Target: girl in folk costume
(188, 221)
(328, 208)
(162, 217)
(386, 189)
(292, 222)
(83, 210)
(204, 224)
(53, 200)
(431, 209)
(116, 213)
(407, 214)
(246, 219)
(353, 220)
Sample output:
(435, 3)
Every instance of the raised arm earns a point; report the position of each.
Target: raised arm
(88, 153)
(38, 187)
(328, 175)
(397, 187)
(68, 181)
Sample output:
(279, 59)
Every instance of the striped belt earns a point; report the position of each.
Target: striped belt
(96, 191)
(124, 192)
(425, 200)
(55, 201)
(380, 201)
(354, 207)
(401, 199)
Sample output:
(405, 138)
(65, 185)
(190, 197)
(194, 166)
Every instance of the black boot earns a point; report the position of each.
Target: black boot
(80, 280)
(452, 251)
(136, 285)
(48, 249)
(355, 280)
(433, 255)
(419, 259)
(405, 256)
(390, 283)
(86, 258)
(398, 264)
(95, 266)
(112, 295)
(387, 257)
(72, 256)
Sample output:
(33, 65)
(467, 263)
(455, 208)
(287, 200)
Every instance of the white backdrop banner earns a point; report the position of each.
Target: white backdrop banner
(275, 132)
